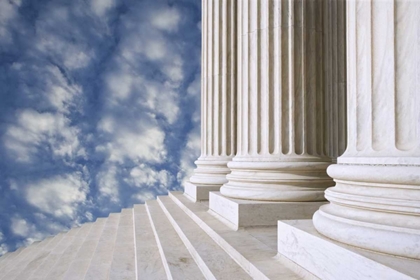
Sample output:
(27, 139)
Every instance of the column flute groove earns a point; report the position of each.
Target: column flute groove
(218, 94)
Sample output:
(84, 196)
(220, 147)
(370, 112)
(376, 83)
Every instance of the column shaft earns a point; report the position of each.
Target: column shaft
(218, 93)
(281, 111)
(376, 201)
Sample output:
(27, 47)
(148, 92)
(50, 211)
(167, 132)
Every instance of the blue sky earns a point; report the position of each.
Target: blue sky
(99, 109)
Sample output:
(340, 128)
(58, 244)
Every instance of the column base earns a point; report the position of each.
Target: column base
(289, 179)
(247, 213)
(209, 175)
(327, 259)
(376, 207)
(198, 193)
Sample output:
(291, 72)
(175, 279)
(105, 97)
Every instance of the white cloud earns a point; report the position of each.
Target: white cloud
(108, 184)
(33, 130)
(3, 249)
(155, 49)
(59, 196)
(144, 176)
(120, 85)
(143, 196)
(21, 227)
(8, 11)
(141, 142)
(147, 145)
(100, 7)
(192, 148)
(166, 19)
(74, 56)
(1, 236)
(107, 124)
(189, 155)
(173, 69)
(161, 99)
(194, 91)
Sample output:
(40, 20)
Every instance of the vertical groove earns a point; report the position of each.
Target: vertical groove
(203, 76)
(210, 81)
(253, 87)
(258, 77)
(240, 84)
(299, 76)
(277, 73)
(383, 70)
(335, 78)
(232, 125)
(364, 81)
(264, 71)
(321, 89)
(406, 66)
(352, 44)
(216, 77)
(291, 70)
(224, 76)
(310, 82)
(245, 58)
(342, 77)
(285, 85)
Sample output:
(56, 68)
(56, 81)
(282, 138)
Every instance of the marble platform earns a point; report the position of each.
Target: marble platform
(299, 241)
(167, 238)
(238, 213)
(175, 238)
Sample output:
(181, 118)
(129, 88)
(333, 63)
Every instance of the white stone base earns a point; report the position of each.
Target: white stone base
(300, 242)
(198, 193)
(247, 213)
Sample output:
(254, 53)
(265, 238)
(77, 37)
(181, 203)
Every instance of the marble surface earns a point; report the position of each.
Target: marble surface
(375, 203)
(218, 96)
(291, 100)
(300, 242)
(238, 213)
(199, 192)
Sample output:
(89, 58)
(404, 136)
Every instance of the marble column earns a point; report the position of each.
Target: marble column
(281, 110)
(334, 46)
(218, 98)
(376, 201)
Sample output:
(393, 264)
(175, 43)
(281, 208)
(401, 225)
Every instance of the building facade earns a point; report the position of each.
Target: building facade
(310, 157)
(306, 98)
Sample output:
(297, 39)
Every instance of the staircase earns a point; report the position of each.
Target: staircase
(167, 238)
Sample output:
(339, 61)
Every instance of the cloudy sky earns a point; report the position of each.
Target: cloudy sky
(99, 109)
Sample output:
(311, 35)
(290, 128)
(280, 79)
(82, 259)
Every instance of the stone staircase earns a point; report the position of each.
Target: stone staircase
(167, 238)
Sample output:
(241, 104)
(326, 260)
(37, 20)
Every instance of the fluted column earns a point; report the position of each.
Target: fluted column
(376, 201)
(334, 46)
(281, 154)
(218, 94)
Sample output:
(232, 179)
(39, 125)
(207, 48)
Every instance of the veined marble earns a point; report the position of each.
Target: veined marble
(375, 203)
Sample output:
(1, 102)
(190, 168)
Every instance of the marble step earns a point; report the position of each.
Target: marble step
(258, 257)
(102, 258)
(7, 259)
(212, 259)
(300, 241)
(149, 262)
(29, 255)
(19, 260)
(81, 262)
(177, 260)
(123, 265)
(59, 248)
(63, 263)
